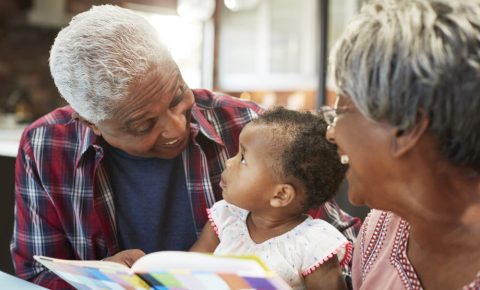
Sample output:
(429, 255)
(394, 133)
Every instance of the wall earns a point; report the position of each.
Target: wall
(24, 50)
(24, 72)
(25, 82)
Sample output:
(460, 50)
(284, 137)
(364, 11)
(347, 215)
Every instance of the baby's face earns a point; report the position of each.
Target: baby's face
(247, 181)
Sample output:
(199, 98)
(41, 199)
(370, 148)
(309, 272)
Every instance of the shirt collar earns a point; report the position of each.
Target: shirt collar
(87, 140)
(204, 125)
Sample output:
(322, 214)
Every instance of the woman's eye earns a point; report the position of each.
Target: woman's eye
(341, 111)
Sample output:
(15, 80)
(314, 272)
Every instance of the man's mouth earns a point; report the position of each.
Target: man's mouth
(172, 142)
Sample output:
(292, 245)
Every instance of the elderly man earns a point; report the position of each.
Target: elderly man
(131, 165)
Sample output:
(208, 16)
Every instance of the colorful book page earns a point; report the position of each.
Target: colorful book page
(202, 272)
(199, 280)
(234, 281)
(92, 278)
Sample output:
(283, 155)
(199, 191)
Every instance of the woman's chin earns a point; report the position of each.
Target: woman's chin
(354, 198)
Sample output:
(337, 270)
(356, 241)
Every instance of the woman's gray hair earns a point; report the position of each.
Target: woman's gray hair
(96, 58)
(401, 58)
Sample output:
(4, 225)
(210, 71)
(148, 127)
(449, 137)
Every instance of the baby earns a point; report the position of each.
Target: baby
(284, 167)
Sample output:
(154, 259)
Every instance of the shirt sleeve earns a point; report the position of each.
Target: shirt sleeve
(322, 242)
(332, 213)
(223, 214)
(36, 226)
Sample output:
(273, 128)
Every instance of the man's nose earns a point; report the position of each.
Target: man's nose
(174, 126)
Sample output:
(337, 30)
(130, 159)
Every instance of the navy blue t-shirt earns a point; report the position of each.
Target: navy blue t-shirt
(152, 204)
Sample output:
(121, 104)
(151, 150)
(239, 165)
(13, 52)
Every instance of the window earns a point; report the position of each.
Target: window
(185, 39)
(272, 47)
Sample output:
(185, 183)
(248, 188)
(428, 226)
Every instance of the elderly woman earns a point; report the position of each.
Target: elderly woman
(407, 121)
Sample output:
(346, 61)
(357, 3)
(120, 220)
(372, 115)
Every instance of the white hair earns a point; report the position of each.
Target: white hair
(401, 57)
(95, 59)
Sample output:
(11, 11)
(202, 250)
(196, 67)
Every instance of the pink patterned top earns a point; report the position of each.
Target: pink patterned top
(380, 258)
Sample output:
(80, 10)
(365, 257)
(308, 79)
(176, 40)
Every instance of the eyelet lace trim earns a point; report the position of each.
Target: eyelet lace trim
(346, 258)
(210, 219)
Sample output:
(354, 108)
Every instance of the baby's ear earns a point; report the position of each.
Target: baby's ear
(284, 195)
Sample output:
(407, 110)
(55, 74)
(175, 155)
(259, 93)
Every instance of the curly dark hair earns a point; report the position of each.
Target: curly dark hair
(300, 150)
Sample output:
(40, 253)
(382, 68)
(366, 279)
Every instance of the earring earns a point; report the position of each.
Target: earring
(344, 159)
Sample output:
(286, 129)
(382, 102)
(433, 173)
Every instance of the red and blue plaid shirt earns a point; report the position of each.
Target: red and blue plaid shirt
(64, 201)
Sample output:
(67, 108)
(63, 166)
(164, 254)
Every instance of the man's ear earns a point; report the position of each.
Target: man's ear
(92, 126)
(284, 194)
(403, 141)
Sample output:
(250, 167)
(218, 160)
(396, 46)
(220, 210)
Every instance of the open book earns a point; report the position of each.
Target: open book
(169, 270)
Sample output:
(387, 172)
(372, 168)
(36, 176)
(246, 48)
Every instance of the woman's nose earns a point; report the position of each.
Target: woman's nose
(330, 134)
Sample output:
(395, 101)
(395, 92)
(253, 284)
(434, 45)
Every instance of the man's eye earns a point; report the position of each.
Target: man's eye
(144, 128)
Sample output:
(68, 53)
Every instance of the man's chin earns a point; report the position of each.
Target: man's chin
(162, 155)
(167, 154)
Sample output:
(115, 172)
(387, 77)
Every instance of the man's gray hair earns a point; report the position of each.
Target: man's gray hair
(398, 59)
(95, 59)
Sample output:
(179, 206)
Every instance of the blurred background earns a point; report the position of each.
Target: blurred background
(270, 51)
(273, 52)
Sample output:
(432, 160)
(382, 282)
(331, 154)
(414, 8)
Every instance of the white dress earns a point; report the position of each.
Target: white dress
(292, 255)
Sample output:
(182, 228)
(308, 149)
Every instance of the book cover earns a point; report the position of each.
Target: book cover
(169, 270)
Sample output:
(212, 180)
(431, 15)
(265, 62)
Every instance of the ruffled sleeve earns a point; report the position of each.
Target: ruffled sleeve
(222, 215)
(322, 241)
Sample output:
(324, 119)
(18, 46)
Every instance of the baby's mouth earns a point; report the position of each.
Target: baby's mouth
(223, 184)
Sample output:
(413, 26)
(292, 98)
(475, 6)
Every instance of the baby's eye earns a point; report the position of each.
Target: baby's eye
(242, 159)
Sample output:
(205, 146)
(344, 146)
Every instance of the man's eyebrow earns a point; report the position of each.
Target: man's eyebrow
(176, 82)
(129, 122)
(176, 98)
(182, 90)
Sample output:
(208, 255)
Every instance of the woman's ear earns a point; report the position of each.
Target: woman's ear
(284, 194)
(404, 140)
(92, 126)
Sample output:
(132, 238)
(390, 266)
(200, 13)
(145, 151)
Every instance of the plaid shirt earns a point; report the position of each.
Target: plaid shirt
(64, 201)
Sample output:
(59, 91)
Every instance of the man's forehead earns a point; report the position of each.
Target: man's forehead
(165, 78)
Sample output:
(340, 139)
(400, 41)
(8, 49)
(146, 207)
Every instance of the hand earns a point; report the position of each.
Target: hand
(127, 257)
